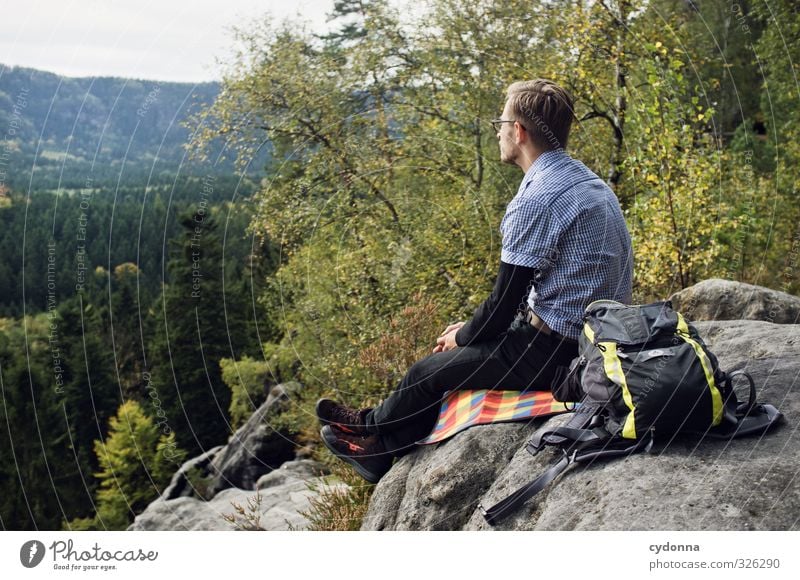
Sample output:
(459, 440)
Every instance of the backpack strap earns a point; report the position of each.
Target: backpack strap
(761, 418)
(583, 437)
(644, 443)
(743, 408)
(742, 419)
(582, 418)
(591, 444)
(501, 509)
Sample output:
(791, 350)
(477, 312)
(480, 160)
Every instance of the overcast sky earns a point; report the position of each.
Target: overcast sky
(170, 40)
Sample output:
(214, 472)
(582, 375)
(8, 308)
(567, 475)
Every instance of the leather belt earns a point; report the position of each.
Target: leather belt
(533, 319)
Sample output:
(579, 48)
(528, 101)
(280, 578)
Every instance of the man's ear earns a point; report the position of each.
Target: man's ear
(520, 134)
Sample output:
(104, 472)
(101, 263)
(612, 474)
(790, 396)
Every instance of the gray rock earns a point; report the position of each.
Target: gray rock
(256, 448)
(183, 513)
(302, 469)
(744, 484)
(278, 503)
(179, 485)
(419, 491)
(717, 299)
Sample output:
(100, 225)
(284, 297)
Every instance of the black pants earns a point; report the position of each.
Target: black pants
(523, 358)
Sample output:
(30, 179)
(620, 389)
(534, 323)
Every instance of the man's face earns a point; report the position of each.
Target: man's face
(509, 150)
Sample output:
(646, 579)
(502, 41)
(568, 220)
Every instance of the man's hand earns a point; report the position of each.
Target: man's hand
(447, 341)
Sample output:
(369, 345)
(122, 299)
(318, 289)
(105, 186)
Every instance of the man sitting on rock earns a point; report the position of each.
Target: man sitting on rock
(565, 244)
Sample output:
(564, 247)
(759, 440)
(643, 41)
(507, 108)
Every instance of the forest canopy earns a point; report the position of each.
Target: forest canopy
(385, 190)
(374, 223)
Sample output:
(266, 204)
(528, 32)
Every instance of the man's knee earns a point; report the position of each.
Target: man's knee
(444, 371)
(431, 373)
(421, 370)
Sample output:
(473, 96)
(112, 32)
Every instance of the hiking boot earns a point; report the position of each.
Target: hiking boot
(366, 454)
(344, 418)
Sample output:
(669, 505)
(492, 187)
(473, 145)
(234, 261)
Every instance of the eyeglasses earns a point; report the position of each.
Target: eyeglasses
(497, 123)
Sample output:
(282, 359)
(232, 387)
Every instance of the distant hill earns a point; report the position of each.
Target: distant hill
(86, 130)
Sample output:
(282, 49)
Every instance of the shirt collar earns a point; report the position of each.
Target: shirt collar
(544, 160)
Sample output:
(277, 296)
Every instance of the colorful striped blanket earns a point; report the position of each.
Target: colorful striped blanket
(463, 409)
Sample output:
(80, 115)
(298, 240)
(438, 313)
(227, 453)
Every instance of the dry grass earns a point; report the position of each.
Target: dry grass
(337, 509)
(246, 518)
(408, 339)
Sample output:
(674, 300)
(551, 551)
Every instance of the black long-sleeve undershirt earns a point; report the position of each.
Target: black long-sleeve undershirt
(494, 316)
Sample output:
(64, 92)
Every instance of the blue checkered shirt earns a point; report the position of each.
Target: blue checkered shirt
(566, 222)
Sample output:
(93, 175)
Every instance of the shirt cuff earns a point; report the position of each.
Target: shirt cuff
(527, 260)
(462, 342)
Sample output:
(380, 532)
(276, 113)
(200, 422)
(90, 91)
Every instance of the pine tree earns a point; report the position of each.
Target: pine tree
(91, 392)
(193, 334)
(136, 464)
(36, 461)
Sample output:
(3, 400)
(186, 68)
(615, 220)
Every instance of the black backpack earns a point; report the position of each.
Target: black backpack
(643, 373)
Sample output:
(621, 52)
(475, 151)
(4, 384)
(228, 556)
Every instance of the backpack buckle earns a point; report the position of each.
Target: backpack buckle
(571, 457)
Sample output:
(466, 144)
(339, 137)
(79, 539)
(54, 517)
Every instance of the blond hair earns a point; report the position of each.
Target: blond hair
(544, 109)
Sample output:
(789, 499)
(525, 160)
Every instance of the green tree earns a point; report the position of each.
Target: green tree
(385, 180)
(197, 324)
(773, 230)
(37, 462)
(136, 464)
(124, 324)
(247, 379)
(91, 393)
(673, 169)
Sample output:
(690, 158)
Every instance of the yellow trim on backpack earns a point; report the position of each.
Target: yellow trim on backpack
(716, 397)
(613, 368)
(587, 330)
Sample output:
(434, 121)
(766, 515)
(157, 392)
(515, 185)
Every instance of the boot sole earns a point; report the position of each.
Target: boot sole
(328, 438)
